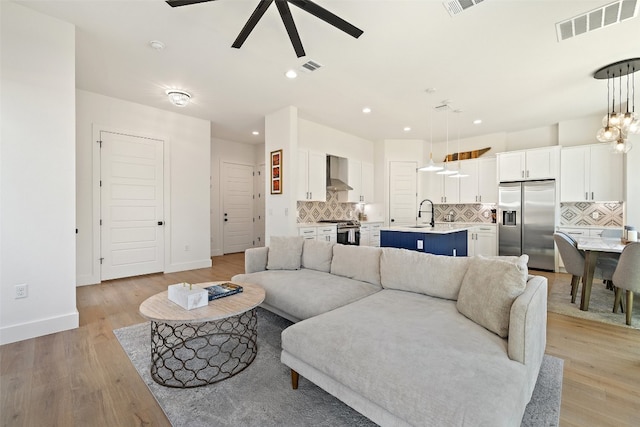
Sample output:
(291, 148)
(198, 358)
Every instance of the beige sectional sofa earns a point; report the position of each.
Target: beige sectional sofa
(407, 338)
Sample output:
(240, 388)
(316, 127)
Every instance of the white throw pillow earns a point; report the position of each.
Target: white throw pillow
(317, 255)
(488, 290)
(285, 253)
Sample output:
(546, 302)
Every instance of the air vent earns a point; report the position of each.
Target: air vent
(612, 13)
(455, 7)
(310, 66)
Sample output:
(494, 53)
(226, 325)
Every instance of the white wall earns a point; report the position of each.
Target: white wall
(230, 152)
(187, 171)
(318, 137)
(37, 197)
(281, 132)
(579, 132)
(632, 189)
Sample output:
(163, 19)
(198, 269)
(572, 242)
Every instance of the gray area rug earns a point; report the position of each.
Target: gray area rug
(600, 303)
(262, 396)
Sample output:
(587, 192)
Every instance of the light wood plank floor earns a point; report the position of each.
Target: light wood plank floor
(83, 377)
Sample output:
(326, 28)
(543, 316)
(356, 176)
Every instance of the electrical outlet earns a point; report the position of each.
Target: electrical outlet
(595, 215)
(420, 244)
(21, 291)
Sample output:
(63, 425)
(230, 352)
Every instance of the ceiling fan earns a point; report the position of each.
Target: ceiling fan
(287, 19)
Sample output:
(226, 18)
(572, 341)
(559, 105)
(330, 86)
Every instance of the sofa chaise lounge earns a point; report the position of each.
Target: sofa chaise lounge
(407, 338)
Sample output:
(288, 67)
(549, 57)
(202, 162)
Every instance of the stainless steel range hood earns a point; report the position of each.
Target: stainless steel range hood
(334, 183)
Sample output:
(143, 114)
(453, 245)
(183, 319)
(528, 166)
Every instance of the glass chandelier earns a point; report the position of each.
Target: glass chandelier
(618, 125)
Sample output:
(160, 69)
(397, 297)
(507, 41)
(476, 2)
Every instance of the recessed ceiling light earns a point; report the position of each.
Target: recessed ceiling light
(291, 74)
(430, 90)
(156, 44)
(477, 121)
(366, 110)
(255, 132)
(407, 129)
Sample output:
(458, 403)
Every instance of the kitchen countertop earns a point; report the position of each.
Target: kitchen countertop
(440, 228)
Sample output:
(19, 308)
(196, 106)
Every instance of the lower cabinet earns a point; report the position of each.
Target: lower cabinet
(482, 240)
(452, 244)
(370, 234)
(327, 233)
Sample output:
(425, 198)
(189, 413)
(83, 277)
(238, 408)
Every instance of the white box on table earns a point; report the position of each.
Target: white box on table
(188, 297)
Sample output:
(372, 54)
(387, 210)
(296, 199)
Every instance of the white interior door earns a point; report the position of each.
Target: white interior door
(258, 206)
(402, 193)
(131, 199)
(237, 207)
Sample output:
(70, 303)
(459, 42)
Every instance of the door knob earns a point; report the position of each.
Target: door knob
(160, 223)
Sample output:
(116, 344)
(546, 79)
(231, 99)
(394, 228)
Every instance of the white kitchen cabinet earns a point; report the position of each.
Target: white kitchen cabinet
(370, 234)
(308, 232)
(312, 176)
(591, 173)
(325, 233)
(537, 163)
(482, 240)
(360, 178)
(440, 188)
(481, 186)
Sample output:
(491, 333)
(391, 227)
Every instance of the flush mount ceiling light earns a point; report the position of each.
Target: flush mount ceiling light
(179, 98)
(156, 44)
(291, 74)
(617, 126)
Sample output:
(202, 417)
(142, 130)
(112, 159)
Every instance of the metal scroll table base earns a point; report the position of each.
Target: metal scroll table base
(185, 355)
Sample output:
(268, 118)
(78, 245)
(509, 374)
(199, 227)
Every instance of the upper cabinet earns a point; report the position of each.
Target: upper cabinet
(360, 178)
(312, 176)
(481, 186)
(538, 163)
(440, 188)
(591, 173)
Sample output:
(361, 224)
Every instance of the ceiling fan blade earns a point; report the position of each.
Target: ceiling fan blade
(177, 3)
(328, 17)
(251, 23)
(287, 19)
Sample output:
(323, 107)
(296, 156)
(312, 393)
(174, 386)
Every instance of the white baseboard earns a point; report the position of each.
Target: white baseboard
(193, 265)
(38, 328)
(217, 252)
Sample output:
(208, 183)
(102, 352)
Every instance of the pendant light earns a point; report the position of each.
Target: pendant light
(617, 126)
(458, 174)
(431, 166)
(446, 170)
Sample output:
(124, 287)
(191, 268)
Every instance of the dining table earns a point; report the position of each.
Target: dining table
(593, 247)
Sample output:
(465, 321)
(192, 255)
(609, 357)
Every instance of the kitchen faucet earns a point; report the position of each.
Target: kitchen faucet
(433, 216)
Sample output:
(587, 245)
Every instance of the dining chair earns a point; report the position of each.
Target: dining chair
(610, 259)
(573, 259)
(627, 277)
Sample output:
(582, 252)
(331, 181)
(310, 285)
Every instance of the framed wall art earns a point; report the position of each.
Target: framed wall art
(276, 172)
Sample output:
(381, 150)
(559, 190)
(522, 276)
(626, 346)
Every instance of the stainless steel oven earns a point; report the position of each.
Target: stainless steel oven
(348, 231)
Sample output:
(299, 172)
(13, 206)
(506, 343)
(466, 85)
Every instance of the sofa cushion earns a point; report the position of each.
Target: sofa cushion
(357, 262)
(435, 275)
(488, 290)
(317, 255)
(306, 293)
(285, 253)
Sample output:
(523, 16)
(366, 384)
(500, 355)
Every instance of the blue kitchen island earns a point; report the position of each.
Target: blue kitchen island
(443, 239)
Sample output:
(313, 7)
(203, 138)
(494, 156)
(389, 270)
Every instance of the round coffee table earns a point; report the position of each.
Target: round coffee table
(191, 348)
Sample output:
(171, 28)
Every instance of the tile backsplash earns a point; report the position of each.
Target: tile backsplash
(331, 209)
(465, 212)
(591, 213)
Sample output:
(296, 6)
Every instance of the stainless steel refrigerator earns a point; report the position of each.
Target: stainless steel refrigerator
(526, 221)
